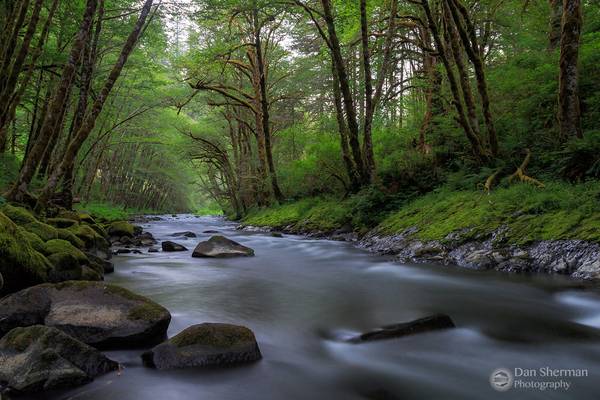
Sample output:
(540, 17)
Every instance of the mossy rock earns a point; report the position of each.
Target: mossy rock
(19, 215)
(61, 222)
(62, 246)
(89, 274)
(205, 345)
(20, 264)
(39, 358)
(96, 313)
(72, 238)
(66, 267)
(44, 231)
(67, 214)
(121, 228)
(90, 238)
(34, 240)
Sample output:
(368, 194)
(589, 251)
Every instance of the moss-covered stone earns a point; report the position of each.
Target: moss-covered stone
(66, 267)
(39, 358)
(20, 264)
(62, 246)
(121, 228)
(92, 240)
(89, 274)
(19, 215)
(34, 240)
(70, 237)
(61, 222)
(44, 231)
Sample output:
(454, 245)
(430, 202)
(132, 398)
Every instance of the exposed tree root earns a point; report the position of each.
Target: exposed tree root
(520, 172)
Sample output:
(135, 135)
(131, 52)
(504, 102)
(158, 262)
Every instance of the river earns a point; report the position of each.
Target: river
(301, 297)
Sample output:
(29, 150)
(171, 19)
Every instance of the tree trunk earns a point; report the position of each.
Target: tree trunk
(19, 190)
(90, 119)
(336, 54)
(569, 113)
(264, 104)
(554, 26)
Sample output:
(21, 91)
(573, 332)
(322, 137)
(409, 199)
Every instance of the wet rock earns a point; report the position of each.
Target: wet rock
(186, 234)
(276, 234)
(172, 246)
(480, 259)
(153, 250)
(211, 231)
(95, 313)
(220, 247)
(120, 229)
(422, 325)
(589, 270)
(122, 251)
(205, 345)
(41, 358)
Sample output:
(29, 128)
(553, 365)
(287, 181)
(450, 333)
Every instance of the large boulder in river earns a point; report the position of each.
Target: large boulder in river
(95, 313)
(205, 345)
(220, 247)
(186, 234)
(172, 246)
(41, 358)
(422, 325)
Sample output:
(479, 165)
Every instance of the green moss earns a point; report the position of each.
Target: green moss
(89, 274)
(20, 264)
(146, 312)
(19, 339)
(88, 235)
(69, 236)
(61, 222)
(120, 228)
(64, 262)
(18, 215)
(44, 231)
(62, 246)
(33, 239)
(214, 335)
(560, 211)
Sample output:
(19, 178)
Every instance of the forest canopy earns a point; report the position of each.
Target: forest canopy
(232, 106)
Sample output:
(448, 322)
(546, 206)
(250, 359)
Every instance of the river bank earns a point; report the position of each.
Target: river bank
(519, 229)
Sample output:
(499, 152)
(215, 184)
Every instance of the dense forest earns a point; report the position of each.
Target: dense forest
(238, 105)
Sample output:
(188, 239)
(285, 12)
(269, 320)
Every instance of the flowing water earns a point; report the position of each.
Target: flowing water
(301, 297)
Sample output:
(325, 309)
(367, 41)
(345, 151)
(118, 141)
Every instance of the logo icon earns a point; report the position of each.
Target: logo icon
(501, 379)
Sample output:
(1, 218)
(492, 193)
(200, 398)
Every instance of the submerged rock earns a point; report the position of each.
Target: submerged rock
(422, 325)
(219, 247)
(172, 246)
(94, 312)
(41, 358)
(186, 234)
(204, 345)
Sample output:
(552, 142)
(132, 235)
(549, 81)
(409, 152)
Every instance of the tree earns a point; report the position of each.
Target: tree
(569, 113)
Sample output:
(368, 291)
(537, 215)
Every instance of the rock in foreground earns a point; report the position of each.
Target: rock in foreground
(220, 247)
(422, 325)
(205, 345)
(172, 246)
(42, 358)
(93, 312)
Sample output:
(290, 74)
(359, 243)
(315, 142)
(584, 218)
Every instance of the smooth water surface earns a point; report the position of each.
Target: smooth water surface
(301, 297)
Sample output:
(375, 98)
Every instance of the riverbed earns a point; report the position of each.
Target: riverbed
(302, 297)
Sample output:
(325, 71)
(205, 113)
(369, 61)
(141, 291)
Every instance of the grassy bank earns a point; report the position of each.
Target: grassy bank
(559, 211)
